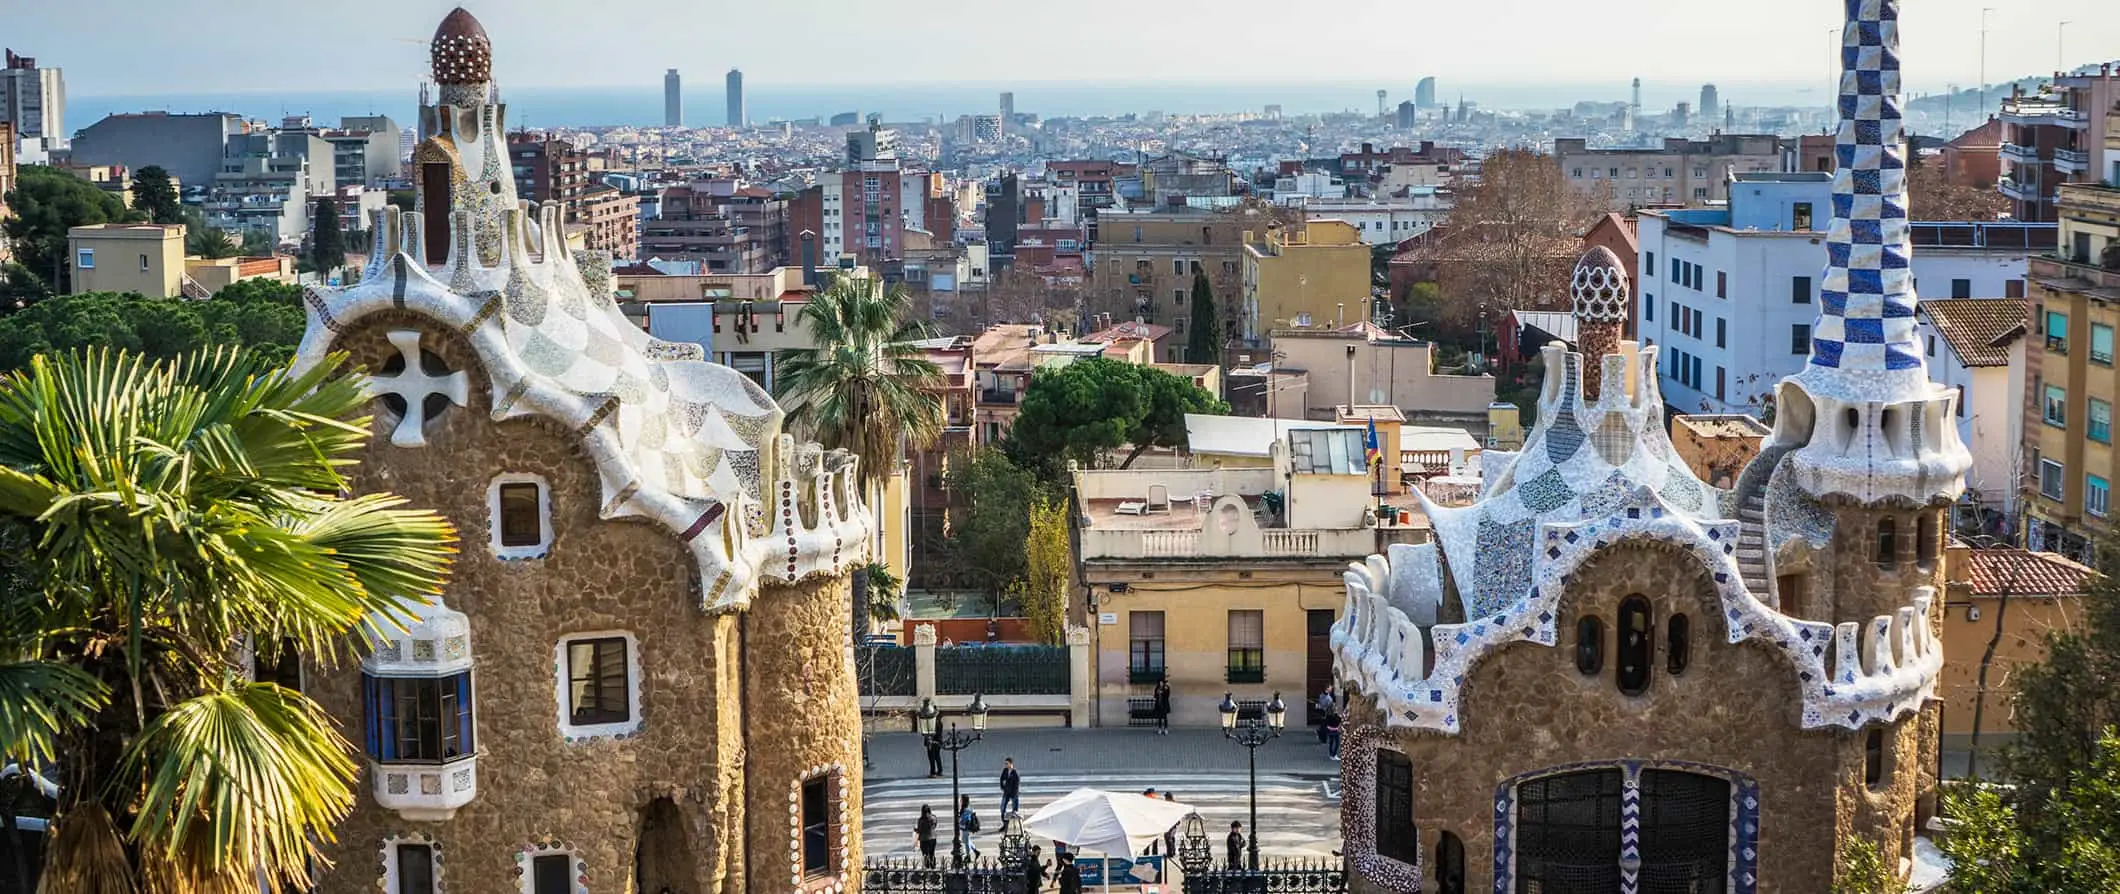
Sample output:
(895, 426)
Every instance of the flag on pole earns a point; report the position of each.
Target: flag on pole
(1375, 449)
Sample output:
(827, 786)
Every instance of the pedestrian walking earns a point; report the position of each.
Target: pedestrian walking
(934, 750)
(1163, 707)
(1332, 734)
(1236, 845)
(1011, 787)
(1324, 707)
(924, 832)
(967, 823)
(1070, 874)
(1033, 873)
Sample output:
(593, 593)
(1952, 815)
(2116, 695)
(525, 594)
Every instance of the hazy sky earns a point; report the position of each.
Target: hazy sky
(221, 45)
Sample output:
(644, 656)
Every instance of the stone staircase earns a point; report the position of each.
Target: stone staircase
(1752, 546)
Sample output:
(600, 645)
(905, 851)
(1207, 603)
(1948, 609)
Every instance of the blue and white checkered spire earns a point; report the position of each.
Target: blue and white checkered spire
(1863, 344)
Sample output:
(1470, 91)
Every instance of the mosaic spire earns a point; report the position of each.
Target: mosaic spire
(1863, 344)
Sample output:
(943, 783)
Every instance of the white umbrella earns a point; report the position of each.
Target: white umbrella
(1106, 822)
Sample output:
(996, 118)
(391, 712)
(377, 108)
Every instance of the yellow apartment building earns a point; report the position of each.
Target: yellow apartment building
(1143, 263)
(143, 258)
(2068, 426)
(2043, 592)
(1226, 579)
(1316, 277)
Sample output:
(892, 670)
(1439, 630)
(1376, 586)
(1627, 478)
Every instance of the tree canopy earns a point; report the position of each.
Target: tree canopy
(47, 202)
(991, 503)
(867, 387)
(1511, 241)
(327, 245)
(262, 314)
(155, 195)
(1086, 410)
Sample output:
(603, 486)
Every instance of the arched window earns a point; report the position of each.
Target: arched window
(1678, 644)
(1873, 760)
(1887, 543)
(1926, 538)
(1637, 646)
(1450, 865)
(1589, 645)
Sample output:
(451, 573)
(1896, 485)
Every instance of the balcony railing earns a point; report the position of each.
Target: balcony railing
(2011, 187)
(2023, 155)
(1274, 543)
(999, 397)
(2061, 268)
(2071, 161)
(1247, 675)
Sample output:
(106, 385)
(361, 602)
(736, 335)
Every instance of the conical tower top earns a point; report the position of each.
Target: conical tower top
(460, 51)
(1863, 344)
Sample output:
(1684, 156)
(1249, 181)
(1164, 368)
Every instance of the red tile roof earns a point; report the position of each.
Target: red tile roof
(2017, 572)
(1979, 329)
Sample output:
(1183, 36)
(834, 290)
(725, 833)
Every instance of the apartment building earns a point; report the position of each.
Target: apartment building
(1730, 294)
(364, 150)
(1362, 363)
(2055, 136)
(1976, 346)
(1092, 183)
(1383, 221)
(611, 220)
(548, 170)
(189, 146)
(725, 224)
(1682, 172)
(147, 259)
(2068, 362)
(33, 99)
(1142, 266)
(1317, 277)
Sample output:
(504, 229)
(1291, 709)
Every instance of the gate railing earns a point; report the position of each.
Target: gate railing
(1274, 876)
(891, 875)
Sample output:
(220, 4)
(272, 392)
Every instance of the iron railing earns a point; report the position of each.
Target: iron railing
(1272, 877)
(885, 876)
(885, 670)
(1001, 670)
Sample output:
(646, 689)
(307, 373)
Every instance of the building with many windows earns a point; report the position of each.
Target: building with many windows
(2070, 464)
(587, 701)
(2055, 136)
(33, 99)
(1681, 172)
(1729, 295)
(1607, 675)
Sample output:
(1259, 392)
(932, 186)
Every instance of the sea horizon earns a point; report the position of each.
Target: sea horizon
(618, 106)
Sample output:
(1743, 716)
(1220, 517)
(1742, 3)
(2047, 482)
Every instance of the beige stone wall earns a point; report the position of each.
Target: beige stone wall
(1527, 708)
(803, 718)
(599, 576)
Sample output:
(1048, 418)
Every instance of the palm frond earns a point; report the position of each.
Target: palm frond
(248, 778)
(86, 855)
(40, 701)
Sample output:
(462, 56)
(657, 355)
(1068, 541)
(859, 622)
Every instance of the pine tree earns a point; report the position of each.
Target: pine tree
(154, 194)
(1204, 343)
(327, 245)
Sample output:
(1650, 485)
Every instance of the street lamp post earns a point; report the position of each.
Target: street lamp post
(1252, 734)
(953, 741)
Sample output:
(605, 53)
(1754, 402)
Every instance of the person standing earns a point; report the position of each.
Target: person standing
(924, 832)
(967, 823)
(1011, 787)
(1332, 734)
(1070, 874)
(1236, 845)
(1034, 872)
(1163, 707)
(934, 750)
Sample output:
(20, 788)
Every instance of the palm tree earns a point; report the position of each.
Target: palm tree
(172, 511)
(207, 242)
(866, 388)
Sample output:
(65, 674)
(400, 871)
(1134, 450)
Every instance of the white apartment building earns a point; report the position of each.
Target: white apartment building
(1976, 345)
(1729, 294)
(1383, 221)
(1682, 172)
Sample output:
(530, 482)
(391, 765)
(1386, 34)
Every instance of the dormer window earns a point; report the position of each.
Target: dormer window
(521, 508)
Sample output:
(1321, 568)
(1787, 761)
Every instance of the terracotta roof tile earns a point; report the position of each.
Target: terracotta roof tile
(1979, 329)
(2017, 572)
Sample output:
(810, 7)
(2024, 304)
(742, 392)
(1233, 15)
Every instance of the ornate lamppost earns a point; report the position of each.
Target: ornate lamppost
(1015, 843)
(953, 741)
(1251, 734)
(1195, 855)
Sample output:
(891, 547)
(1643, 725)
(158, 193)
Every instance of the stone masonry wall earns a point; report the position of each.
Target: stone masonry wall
(1527, 708)
(534, 788)
(803, 718)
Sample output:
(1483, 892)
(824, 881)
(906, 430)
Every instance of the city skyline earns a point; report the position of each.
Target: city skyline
(1658, 40)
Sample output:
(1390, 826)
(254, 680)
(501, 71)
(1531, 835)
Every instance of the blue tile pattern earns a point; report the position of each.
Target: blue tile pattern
(1866, 301)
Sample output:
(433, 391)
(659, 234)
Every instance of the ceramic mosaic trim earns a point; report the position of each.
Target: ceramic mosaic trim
(1381, 652)
(1743, 855)
(527, 855)
(580, 353)
(1358, 813)
(836, 882)
(386, 880)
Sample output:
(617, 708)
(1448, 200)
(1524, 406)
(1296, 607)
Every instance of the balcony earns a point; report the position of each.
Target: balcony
(2022, 192)
(2072, 161)
(2068, 275)
(2022, 155)
(1009, 398)
(1247, 675)
(426, 792)
(1144, 675)
(2043, 111)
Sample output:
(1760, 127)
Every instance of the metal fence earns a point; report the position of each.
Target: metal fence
(1272, 877)
(885, 670)
(979, 877)
(1001, 670)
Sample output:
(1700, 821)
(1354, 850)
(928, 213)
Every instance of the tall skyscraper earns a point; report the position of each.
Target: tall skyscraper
(1008, 107)
(33, 100)
(1380, 103)
(1635, 105)
(1424, 93)
(1710, 102)
(736, 118)
(673, 100)
(1407, 113)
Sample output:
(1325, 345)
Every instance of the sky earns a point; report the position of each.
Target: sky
(277, 45)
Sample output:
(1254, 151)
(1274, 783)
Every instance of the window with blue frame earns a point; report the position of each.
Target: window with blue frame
(418, 719)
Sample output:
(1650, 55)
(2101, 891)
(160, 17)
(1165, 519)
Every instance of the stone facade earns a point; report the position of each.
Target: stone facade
(606, 487)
